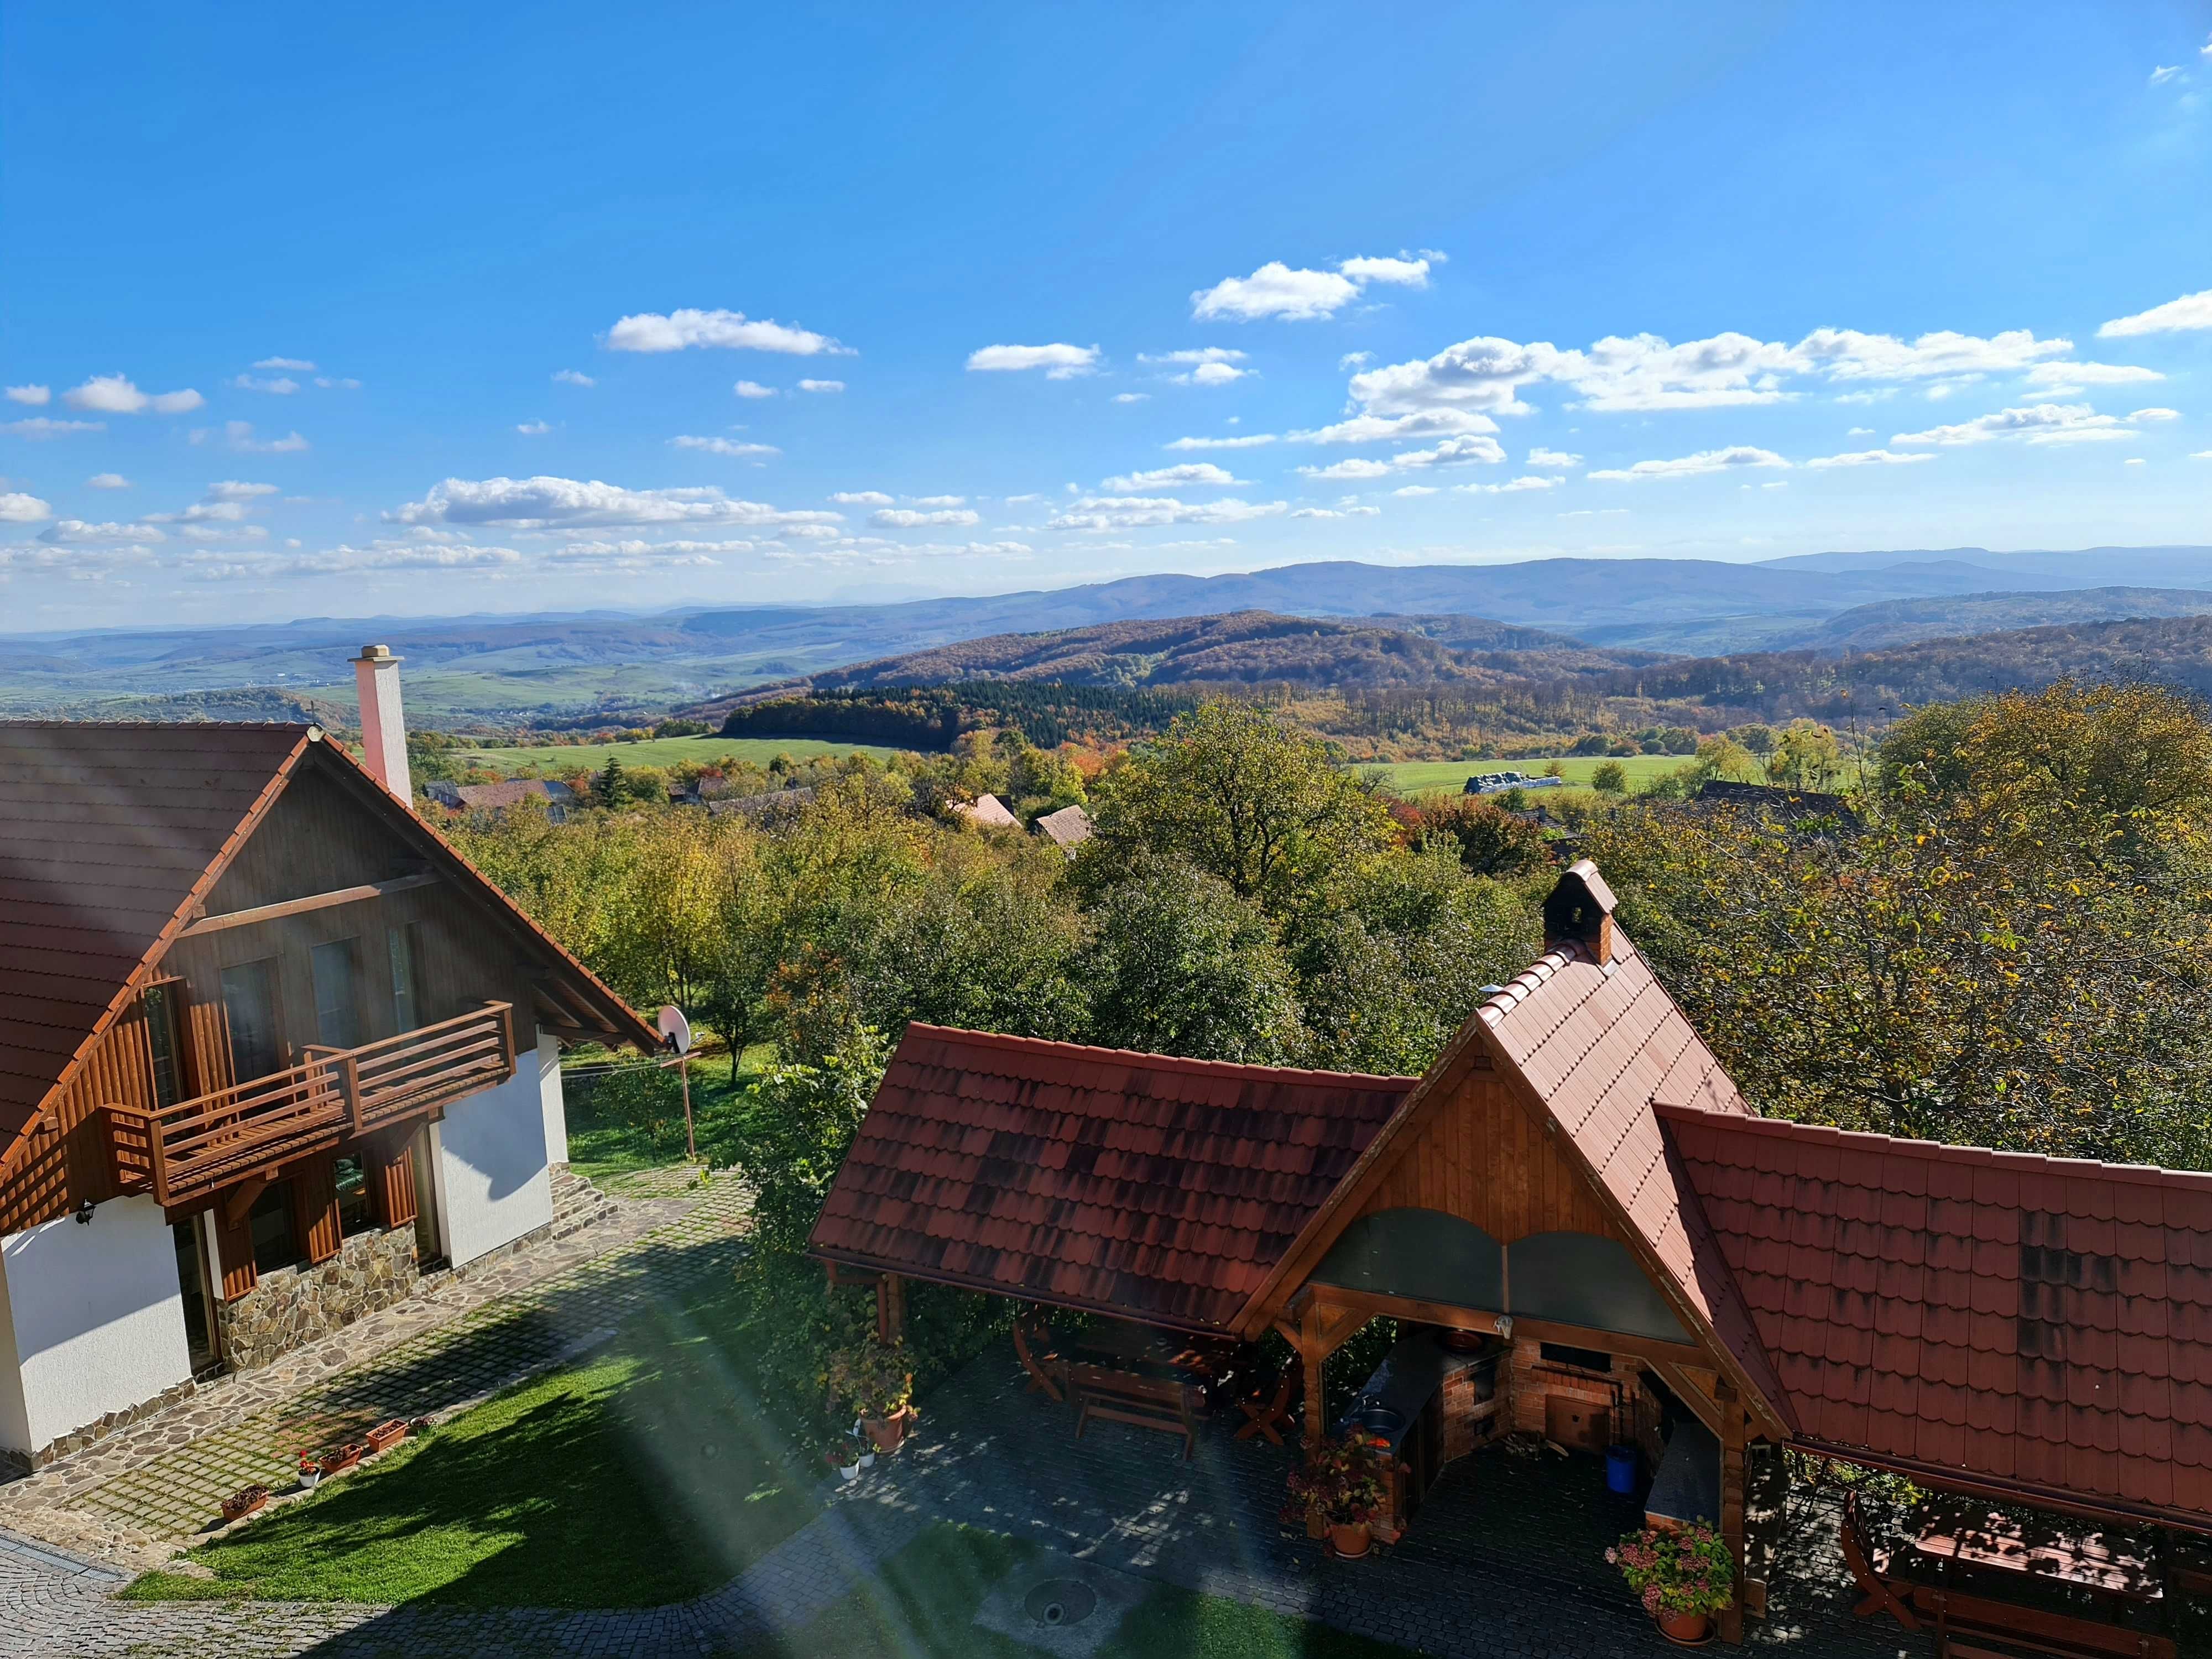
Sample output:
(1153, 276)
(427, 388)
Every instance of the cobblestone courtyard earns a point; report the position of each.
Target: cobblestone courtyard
(1506, 1559)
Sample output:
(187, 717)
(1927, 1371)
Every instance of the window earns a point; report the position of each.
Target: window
(1588, 1359)
(406, 1006)
(337, 998)
(249, 998)
(192, 1287)
(160, 1003)
(275, 1244)
(353, 1197)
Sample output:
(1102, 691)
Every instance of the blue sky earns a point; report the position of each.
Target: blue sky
(413, 309)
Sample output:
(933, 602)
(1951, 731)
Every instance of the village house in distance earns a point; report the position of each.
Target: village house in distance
(271, 1051)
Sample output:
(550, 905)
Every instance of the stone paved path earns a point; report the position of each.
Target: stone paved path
(132, 1500)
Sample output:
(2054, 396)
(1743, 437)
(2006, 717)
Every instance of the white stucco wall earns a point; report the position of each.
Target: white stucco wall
(91, 1321)
(549, 1094)
(492, 1176)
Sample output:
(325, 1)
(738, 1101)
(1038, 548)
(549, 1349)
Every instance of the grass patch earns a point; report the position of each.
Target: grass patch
(1424, 777)
(924, 1599)
(601, 1148)
(666, 751)
(643, 1476)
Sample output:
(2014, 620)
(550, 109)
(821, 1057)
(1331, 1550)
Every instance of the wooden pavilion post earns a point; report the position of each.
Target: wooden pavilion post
(1312, 1355)
(890, 1309)
(1732, 1426)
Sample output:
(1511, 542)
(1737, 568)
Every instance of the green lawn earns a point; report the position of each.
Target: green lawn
(642, 1476)
(599, 1149)
(1418, 777)
(924, 1600)
(665, 751)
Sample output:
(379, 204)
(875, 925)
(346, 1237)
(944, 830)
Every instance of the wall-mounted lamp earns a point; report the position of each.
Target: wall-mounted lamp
(84, 1213)
(1505, 1326)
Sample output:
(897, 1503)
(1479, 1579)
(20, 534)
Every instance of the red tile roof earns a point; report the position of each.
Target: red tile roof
(1155, 1189)
(106, 831)
(1599, 1041)
(2039, 1321)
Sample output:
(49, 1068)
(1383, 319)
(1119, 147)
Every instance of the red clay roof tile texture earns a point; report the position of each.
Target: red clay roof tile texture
(1600, 1041)
(105, 831)
(1152, 1188)
(2030, 1320)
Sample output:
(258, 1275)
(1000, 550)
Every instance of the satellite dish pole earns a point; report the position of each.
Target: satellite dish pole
(676, 1032)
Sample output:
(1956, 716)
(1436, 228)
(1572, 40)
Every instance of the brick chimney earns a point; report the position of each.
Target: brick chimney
(1579, 911)
(383, 727)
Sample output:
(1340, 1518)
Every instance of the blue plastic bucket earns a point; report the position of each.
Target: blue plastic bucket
(1620, 1468)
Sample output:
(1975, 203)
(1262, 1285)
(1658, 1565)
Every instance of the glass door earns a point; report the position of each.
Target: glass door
(192, 1285)
(249, 998)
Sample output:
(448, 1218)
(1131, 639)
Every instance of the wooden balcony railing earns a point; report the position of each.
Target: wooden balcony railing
(195, 1147)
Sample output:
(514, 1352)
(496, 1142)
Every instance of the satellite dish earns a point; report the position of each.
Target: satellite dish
(674, 1029)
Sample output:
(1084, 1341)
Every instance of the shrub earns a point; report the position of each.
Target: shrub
(1344, 1480)
(1685, 1571)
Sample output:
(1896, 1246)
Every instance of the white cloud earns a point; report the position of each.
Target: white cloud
(42, 426)
(347, 384)
(1276, 289)
(1397, 429)
(2135, 460)
(543, 502)
(1516, 487)
(281, 386)
(112, 394)
(2164, 73)
(2038, 423)
(1194, 355)
(861, 498)
(1867, 457)
(238, 435)
(753, 389)
(731, 331)
(1353, 360)
(1690, 466)
(2201, 455)
(18, 508)
(107, 481)
(1337, 513)
(1206, 365)
(1859, 432)
(1244, 440)
(634, 555)
(293, 365)
(1173, 477)
(906, 517)
(2190, 311)
(1213, 374)
(36, 395)
(938, 501)
(725, 446)
(1452, 451)
(232, 489)
(572, 377)
(1415, 489)
(533, 428)
(1131, 396)
(76, 532)
(1402, 273)
(821, 386)
(1060, 361)
(1845, 354)
(1541, 457)
(2074, 376)
(1351, 467)
(1131, 512)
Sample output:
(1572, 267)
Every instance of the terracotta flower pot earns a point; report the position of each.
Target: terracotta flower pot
(1686, 1627)
(1350, 1540)
(386, 1435)
(243, 1502)
(343, 1458)
(887, 1432)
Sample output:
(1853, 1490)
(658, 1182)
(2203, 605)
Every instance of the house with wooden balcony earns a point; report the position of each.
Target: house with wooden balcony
(271, 1051)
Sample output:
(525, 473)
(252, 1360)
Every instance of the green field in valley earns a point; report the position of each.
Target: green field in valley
(1424, 777)
(665, 751)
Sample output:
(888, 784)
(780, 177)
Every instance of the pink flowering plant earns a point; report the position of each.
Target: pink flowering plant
(1343, 1482)
(1682, 1570)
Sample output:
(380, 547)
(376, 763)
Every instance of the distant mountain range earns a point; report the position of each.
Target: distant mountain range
(585, 668)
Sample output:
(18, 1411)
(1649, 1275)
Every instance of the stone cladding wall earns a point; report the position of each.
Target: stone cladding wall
(299, 1305)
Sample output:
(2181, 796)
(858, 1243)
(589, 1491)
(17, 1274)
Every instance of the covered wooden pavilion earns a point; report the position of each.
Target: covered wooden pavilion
(1576, 1175)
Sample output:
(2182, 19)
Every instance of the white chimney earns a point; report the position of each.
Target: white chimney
(383, 727)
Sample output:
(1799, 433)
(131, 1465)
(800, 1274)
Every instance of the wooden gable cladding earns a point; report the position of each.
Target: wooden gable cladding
(315, 839)
(1479, 1154)
(64, 1160)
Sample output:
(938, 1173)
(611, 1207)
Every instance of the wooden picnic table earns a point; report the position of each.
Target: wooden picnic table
(1140, 1349)
(2092, 1561)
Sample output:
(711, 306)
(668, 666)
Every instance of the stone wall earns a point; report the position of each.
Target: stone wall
(289, 1308)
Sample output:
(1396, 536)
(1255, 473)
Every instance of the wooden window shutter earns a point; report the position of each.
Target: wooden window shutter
(234, 1250)
(315, 1208)
(391, 1181)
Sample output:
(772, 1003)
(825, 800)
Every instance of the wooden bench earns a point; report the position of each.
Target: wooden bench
(1145, 1403)
(1047, 1371)
(1269, 1413)
(1879, 1589)
(1964, 1624)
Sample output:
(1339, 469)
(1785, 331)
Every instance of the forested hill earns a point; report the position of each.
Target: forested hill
(2168, 651)
(1248, 647)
